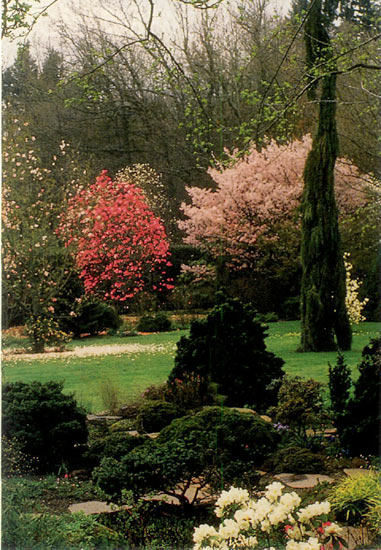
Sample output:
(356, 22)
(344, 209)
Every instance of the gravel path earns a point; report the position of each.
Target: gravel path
(89, 351)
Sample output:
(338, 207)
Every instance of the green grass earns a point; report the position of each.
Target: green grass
(131, 373)
(284, 339)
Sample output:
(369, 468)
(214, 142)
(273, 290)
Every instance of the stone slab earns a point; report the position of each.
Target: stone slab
(303, 481)
(94, 507)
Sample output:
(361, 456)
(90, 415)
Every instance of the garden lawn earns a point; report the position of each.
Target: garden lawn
(130, 373)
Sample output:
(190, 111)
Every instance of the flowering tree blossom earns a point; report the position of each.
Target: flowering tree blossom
(36, 267)
(120, 246)
(253, 212)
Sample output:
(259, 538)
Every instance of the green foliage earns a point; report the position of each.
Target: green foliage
(216, 446)
(92, 317)
(339, 385)
(361, 429)
(153, 525)
(228, 348)
(155, 415)
(13, 460)
(323, 288)
(114, 445)
(48, 424)
(190, 392)
(154, 323)
(300, 405)
(110, 395)
(154, 393)
(45, 330)
(355, 498)
(296, 460)
(28, 523)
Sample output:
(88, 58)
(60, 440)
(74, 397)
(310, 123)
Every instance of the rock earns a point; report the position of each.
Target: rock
(243, 410)
(102, 419)
(303, 481)
(357, 537)
(95, 507)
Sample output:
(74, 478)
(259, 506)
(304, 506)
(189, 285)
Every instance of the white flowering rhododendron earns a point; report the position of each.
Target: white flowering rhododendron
(276, 517)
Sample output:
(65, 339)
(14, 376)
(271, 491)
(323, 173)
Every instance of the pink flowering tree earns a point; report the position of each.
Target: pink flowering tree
(121, 248)
(36, 267)
(252, 217)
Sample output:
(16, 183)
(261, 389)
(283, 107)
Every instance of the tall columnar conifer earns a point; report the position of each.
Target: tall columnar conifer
(323, 290)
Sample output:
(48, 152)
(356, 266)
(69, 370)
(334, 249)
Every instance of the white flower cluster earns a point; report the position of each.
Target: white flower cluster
(352, 303)
(246, 520)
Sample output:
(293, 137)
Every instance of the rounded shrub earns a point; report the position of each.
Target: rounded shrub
(228, 348)
(296, 460)
(48, 424)
(217, 446)
(154, 323)
(155, 415)
(115, 445)
(92, 317)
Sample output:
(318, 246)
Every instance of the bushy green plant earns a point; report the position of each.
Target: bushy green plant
(228, 348)
(45, 330)
(296, 460)
(110, 395)
(213, 447)
(360, 423)
(339, 384)
(152, 525)
(154, 323)
(115, 445)
(356, 499)
(48, 424)
(13, 460)
(154, 393)
(91, 317)
(27, 524)
(300, 406)
(155, 415)
(190, 392)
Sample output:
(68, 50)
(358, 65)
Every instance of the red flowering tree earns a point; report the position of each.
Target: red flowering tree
(121, 247)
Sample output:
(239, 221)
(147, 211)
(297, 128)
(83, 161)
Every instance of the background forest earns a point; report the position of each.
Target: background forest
(167, 111)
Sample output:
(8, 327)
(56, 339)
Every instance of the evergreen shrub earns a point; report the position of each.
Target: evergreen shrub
(154, 323)
(49, 425)
(92, 317)
(228, 349)
(155, 415)
(359, 425)
(296, 460)
(217, 445)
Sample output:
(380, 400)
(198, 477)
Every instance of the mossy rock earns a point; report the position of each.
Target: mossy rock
(125, 425)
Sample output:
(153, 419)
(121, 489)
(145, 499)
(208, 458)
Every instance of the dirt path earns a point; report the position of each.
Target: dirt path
(89, 351)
